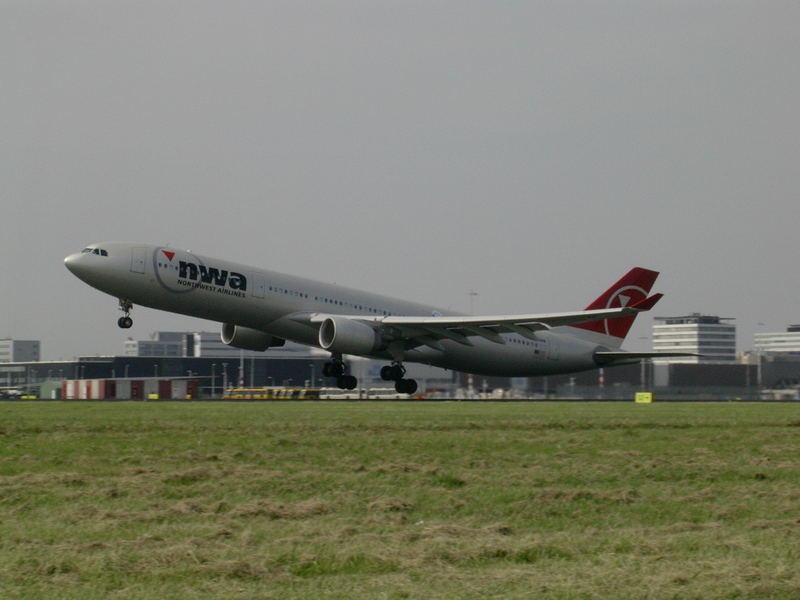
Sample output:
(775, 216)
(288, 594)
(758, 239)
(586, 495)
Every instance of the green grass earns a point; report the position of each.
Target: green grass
(399, 500)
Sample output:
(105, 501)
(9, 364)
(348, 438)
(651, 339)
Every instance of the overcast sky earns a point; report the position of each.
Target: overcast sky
(531, 151)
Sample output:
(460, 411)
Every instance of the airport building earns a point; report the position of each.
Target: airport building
(207, 344)
(176, 358)
(161, 343)
(783, 341)
(19, 350)
(213, 374)
(710, 337)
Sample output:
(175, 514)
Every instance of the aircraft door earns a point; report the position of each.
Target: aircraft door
(553, 349)
(258, 285)
(138, 259)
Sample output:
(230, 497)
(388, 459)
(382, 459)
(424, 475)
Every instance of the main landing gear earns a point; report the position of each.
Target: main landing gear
(337, 368)
(395, 372)
(125, 322)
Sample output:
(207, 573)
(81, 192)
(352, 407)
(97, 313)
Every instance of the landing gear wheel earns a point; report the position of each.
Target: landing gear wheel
(392, 372)
(405, 386)
(333, 369)
(125, 322)
(347, 382)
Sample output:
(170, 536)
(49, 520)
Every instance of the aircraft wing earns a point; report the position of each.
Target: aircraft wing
(430, 330)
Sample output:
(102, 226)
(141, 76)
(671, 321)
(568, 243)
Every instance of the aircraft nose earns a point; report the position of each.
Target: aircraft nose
(75, 264)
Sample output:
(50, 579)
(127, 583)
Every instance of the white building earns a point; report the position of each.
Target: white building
(161, 343)
(782, 341)
(707, 335)
(19, 350)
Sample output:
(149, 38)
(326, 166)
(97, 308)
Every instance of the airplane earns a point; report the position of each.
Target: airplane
(261, 309)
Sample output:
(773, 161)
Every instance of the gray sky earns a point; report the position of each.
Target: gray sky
(532, 151)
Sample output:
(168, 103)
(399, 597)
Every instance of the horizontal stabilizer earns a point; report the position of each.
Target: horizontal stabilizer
(648, 303)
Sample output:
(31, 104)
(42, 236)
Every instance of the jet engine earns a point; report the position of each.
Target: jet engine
(248, 339)
(346, 336)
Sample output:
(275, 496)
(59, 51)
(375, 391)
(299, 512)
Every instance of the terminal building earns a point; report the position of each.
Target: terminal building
(783, 341)
(161, 343)
(712, 338)
(178, 358)
(201, 357)
(19, 350)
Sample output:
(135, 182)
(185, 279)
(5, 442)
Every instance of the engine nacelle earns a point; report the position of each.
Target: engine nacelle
(346, 336)
(249, 339)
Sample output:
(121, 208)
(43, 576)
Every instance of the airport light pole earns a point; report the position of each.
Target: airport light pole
(473, 296)
(213, 379)
(759, 374)
(643, 368)
(224, 377)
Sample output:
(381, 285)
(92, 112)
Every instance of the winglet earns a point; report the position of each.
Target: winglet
(648, 303)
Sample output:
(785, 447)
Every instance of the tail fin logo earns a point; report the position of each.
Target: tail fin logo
(631, 289)
(623, 297)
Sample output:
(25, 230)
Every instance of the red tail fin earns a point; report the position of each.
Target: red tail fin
(632, 288)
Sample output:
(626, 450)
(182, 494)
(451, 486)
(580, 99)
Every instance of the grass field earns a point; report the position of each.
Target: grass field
(399, 500)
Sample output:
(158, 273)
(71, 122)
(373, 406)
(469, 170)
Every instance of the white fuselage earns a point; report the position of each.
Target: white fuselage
(278, 304)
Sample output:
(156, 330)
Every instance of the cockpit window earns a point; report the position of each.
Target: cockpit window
(98, 251)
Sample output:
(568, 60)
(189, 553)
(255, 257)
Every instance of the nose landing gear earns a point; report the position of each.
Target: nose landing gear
(125, 321)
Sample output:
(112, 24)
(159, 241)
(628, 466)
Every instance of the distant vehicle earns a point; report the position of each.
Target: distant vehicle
(363, 394)
(260, 309)
(8, 393)
(272, 393)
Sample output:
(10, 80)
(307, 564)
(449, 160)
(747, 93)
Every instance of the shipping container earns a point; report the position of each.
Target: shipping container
(150, 388)
(68, 389)
(123, 391)
(178, 389)
(137, 389)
